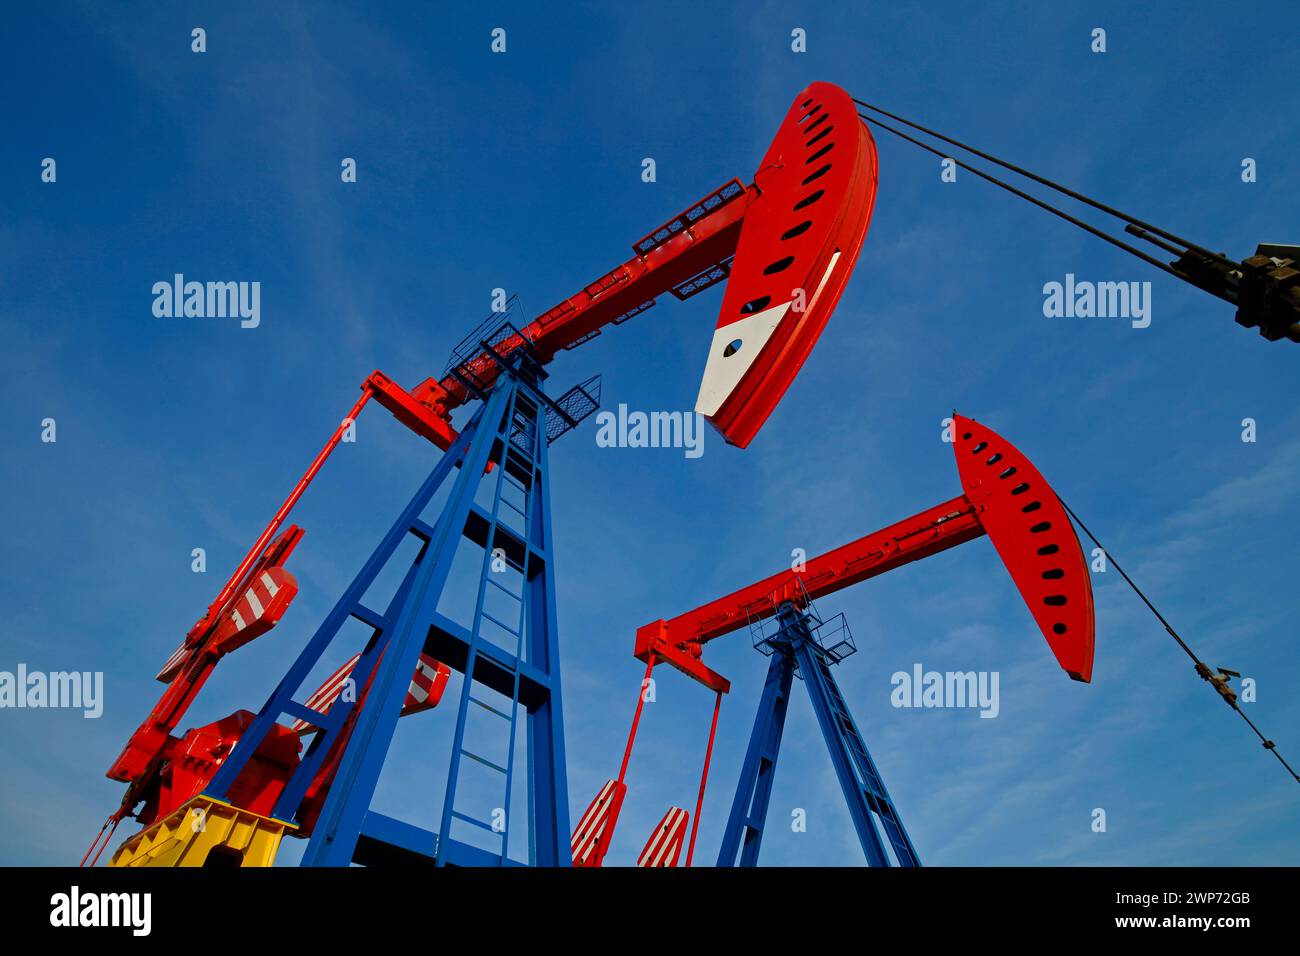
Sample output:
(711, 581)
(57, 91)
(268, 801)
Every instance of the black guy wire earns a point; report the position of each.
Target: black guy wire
(1037, 202)
(1201, 667)
(1109, 210)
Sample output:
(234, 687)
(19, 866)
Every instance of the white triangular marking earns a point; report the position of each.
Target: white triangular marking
(722, 373)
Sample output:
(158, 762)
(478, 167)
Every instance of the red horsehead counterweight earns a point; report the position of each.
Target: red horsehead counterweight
(803, 229)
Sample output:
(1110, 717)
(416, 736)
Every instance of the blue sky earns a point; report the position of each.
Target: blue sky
(522, 171)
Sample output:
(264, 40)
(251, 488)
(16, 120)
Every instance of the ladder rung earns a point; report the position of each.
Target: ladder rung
(498, 584)
(512, 507)
(476, 822)
(483, 760)
(486, 706)
(501, 624)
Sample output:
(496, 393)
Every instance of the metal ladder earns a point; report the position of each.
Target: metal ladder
(520, 449)
(508, 435)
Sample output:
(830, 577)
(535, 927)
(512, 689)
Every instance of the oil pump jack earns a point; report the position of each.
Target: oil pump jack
(1003, 496)
(784, 246)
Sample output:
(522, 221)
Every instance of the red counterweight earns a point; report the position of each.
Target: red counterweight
(250, 610)
(1034, 538)
(816, 188)
(188, 763)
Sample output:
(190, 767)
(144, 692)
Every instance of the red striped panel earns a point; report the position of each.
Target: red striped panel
(424, 693)
(325, 696)
(427, 685)
(592, 834)
(173, 664)
(665, 843)
(257, 610)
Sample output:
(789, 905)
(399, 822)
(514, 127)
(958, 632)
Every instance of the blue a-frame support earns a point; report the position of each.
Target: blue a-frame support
(795, 647)
(505, 444)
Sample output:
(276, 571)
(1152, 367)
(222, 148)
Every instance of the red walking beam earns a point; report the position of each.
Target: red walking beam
(1005, 497)
(785, 247)
(936, 529)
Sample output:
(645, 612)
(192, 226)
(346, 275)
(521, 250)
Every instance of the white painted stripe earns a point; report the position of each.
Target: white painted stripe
(665, 843)
(652, 848)
(586, 841)
(254, 603)
(722, 372)
(598, 805)
(330, 690)
(327, 693)
(825, 276)
(591, 826)
(173, 662)
(269, 583)
(673, 844)
(672, 839)
(239, 621)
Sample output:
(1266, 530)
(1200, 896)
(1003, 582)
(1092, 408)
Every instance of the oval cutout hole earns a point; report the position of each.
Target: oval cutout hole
(1047, 549)
(1054, 600)
(994, 458)
(817, 122)
(798, 230)
(1008, 473)
(819, 154)
(779, 266)
(1020, 489)
(1041, 527)
(817, 175)
(755, 305)
(1053, 574)
(819, 136)
(732, 348)
(1032, 506)
(1059, 628)
(979, 448)
(809, 200)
